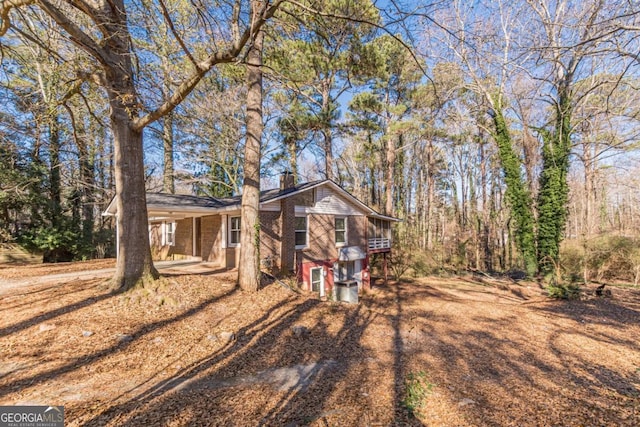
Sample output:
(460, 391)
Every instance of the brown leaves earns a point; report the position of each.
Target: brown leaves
(152, 363)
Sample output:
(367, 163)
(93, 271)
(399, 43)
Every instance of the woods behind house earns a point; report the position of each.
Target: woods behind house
(503, 134)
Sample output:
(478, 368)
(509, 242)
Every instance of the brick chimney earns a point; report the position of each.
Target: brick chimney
(287, 180)
(288, 218)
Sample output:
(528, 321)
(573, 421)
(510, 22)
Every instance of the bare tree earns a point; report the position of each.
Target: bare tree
(101, 29)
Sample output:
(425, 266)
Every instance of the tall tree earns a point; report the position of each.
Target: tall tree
(569, 45)
(484, 48)
(324, 52)
(111, 46)
(249, 268)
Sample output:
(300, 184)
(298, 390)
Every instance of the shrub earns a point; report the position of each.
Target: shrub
(564, 291)
(400, 262)
(417, 388)
(607, 257)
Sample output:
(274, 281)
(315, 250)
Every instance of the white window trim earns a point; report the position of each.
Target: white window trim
(346, 231)
(165, 233)
(306, 232)
(229, 242)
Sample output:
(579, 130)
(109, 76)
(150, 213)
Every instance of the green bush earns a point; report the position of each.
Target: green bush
(417, 388)
(603, 258)
(564, 291)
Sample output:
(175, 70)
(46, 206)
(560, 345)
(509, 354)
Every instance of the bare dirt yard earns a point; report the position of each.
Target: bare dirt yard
(197, 351)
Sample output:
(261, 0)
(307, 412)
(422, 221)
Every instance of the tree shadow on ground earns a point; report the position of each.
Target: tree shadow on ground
(296, 374)
(52, 314)
(510, 376)
(85, 360)
(44, 296)
(597, 310)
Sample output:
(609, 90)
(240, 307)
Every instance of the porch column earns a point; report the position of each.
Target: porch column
(193, 238)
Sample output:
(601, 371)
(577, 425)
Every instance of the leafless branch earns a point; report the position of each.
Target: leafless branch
(77, 36)
(221, 57)
(5, 9)
(169, 21)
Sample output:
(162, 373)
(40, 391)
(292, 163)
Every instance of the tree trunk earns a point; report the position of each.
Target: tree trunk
(168, 183)
(134, 265)
(389, 175)
(431, 183)
(54, 170)
(249, 268)
(517, 193)
(326, 130)
(554, 189)
(86, 163)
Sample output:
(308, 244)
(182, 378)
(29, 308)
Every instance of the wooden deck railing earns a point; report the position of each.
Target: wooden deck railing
(379, 243)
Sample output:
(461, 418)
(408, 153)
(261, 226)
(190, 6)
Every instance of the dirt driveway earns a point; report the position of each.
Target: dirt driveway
(39, 274)
(198, 351)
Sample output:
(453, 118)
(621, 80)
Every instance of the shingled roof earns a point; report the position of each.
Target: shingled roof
(159, 202)
(189, 203)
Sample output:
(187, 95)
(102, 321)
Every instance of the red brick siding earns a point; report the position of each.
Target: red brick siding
(211, 238)
(183, 238)
(270, 240)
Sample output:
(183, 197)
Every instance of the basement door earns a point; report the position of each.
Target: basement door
(317, 280)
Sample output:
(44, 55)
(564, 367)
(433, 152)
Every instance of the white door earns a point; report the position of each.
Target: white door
(317, 280)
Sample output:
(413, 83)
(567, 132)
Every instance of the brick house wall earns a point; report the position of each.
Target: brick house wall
(270, 240)
(288, 235)
(320, 238)
(211, 238)
(357, 231)
(183, 238)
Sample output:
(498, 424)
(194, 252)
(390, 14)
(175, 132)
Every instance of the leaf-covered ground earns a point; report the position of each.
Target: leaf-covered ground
(9, 271)
(494, 355)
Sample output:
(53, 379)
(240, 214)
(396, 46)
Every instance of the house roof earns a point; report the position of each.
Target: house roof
(198, 204)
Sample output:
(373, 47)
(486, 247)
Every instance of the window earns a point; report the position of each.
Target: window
(301, 232)
(170, 233)
(234, 230)
(341, 231)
